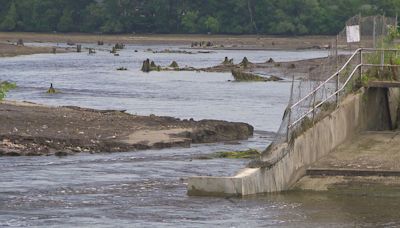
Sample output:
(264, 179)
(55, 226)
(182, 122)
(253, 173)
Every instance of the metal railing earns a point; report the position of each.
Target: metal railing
(312, 110)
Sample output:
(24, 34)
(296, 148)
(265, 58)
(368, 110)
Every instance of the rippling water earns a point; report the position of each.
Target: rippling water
(148, 188)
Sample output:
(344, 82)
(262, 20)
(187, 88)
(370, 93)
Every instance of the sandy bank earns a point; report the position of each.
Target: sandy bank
(29, 129)
(10, 50)
(228, 41)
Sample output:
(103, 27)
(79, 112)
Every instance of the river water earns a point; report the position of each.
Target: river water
(148, 188)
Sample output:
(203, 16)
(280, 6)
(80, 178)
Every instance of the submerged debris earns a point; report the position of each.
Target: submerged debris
(241, 76)
(20, 42)
(247, 154)
(122, 68)
(119, 46)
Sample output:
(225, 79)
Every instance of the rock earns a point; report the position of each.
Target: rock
(100, 42)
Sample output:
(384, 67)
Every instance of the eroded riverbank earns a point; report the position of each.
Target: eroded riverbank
(29, 129)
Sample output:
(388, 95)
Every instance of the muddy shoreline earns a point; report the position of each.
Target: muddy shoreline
(32, 130)
(229, 42)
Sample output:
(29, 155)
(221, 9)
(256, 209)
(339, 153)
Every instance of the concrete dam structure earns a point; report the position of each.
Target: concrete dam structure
(353, 143)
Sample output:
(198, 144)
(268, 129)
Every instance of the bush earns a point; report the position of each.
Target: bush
(4, 88)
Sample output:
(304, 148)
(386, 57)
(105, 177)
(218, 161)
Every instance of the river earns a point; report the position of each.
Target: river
(148, 188)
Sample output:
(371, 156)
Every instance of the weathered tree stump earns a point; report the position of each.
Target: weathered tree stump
(245, 62)
(20, 42)
(113, 51)
(146, 66)
(119, 46)
(174, 64)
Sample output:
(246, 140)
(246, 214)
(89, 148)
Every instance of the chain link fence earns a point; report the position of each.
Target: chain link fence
(319, 88)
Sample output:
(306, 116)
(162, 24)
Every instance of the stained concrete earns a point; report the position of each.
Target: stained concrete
(372, 109)
(289, 163)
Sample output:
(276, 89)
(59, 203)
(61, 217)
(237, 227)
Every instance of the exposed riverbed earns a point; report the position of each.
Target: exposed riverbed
(147, 188)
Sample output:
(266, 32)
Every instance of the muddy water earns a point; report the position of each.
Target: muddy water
(148, 188)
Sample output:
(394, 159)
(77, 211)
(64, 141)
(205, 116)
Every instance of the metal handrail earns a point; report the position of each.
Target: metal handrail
(327, 80)
(338, 90)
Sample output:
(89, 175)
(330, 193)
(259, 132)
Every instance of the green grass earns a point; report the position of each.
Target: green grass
(5, 87)
(246, 154)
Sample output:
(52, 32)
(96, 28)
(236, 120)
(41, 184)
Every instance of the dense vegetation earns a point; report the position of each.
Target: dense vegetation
(187, 16)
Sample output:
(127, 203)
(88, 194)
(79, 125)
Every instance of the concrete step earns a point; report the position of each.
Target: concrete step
(351, 172)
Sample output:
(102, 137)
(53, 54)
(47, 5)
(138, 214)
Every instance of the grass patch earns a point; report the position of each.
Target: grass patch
(5, 87)
(246, 154)
(241, 76)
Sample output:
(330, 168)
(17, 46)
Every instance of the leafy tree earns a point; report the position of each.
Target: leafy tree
(288, 17)
(189, 21)
(66, 23)
(10, 21)
(212, 24)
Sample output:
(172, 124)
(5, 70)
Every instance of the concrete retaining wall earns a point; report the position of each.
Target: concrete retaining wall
(289, 167)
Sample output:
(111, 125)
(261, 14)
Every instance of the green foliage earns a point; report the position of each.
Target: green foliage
(189, 21)
(212, 24)
(286, 17)
(247, 154)
(4, 88)
(66, 22)
(9, 22)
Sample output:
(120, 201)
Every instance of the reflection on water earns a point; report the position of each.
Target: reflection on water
(148, 188)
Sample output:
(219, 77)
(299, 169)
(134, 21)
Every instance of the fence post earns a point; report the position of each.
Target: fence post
(313, 114)
(337, 89)
(288, 125)
(361, 64)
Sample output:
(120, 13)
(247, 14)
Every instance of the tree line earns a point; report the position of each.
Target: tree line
(282, 17)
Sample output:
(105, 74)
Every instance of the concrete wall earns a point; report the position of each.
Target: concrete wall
(289, 167)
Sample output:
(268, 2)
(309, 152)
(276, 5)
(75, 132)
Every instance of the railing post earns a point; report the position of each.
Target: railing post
(288, 125)
(313, 113)
(337, 89)
(361, 64)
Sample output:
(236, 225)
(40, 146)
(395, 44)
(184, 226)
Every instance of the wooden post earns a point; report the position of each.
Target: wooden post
(78, 48)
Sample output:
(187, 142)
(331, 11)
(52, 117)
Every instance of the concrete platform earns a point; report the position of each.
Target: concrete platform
(369, 161)
(369, 151)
